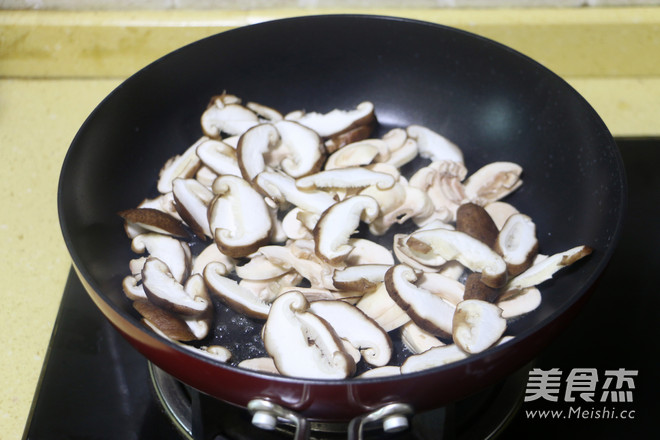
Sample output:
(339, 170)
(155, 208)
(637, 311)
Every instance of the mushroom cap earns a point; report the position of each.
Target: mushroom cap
(168, 324)
(154, 220)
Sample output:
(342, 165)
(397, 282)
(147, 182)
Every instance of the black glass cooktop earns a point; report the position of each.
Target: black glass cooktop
(95, 386)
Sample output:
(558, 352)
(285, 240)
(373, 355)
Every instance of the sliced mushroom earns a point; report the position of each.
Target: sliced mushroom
(262, 364)
(293, 227)
(477, 325)
(360, 277)
(397, 205)
(417, 261)
(215, 352)
(433, 145)
(192, 201)
(475, 221)
(350, 136)
(387, 370)
(174, 253)
(209, 254)
(547, 267)
(320, 294)
(182, 166)
(353, 155)
(441, 180)
(449, 289)
(337, 121)
(282, 189)
(132, 288)
(418, 340)
(154, 220)
(252, 148)
(163, 322)
(200, 325)
(493, 182)
(470, 252)
(167, 293)
(225, 115)
(350, 177)
(518, 303)
(351, 324)
(380, 307)
(229, 292)
(401, 149)
(475, 289)
(517, 243)
(500, 211)
(269, 289)
(302, 344)
(305, 151)
(366, 251)
(219, 157)
(433, 357)
(265, 112)
(308, 265)
(338, 222)
(430, 312)
(260, 268)
(238, 217)
(205, 176)
(163, 202)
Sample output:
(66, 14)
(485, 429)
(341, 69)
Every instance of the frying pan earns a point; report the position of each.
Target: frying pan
(493, 102)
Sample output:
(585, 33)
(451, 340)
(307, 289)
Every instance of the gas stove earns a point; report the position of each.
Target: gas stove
(602, 368)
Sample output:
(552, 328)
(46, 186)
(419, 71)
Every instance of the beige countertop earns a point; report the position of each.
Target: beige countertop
(55, 67)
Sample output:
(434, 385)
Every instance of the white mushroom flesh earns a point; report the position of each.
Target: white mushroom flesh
(303, 345)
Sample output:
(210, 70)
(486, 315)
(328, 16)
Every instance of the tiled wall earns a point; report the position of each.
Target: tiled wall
(264, 4)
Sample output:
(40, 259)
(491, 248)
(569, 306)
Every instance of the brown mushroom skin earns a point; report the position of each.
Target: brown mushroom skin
(154, 219)
(419, 320)
(475, 221)
(168, 323)
(355, 134)
(475, 289)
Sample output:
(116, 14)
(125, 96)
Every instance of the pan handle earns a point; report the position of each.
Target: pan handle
(393, 416)
(265, 414)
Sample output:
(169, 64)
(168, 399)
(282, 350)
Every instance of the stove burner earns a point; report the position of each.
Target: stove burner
(200, 417)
